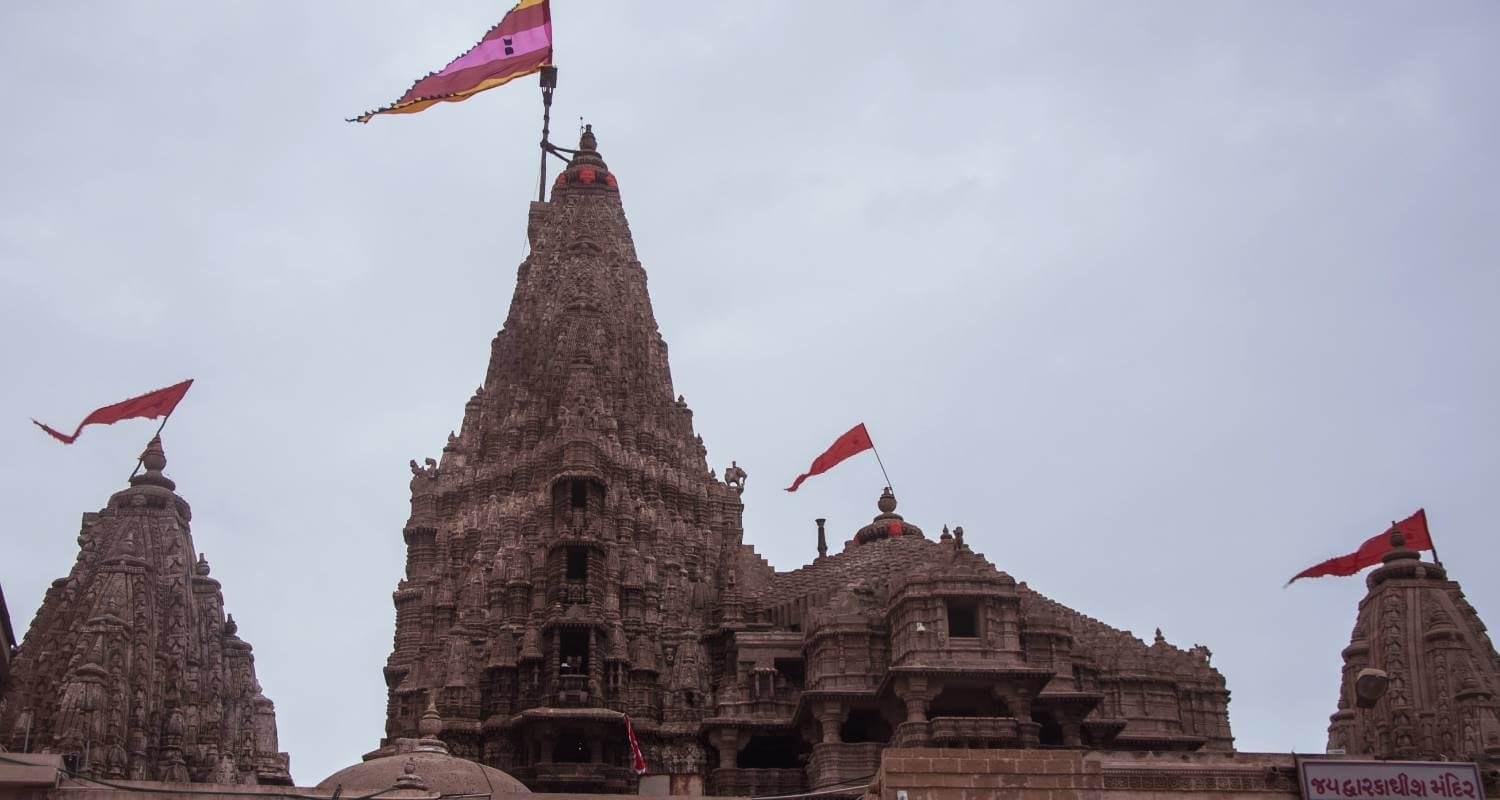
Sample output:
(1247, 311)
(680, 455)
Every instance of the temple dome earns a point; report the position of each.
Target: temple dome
(432, 769)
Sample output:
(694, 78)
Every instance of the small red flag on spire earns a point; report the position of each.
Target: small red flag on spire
(857, 440)
(1413, 528)
(150, 405)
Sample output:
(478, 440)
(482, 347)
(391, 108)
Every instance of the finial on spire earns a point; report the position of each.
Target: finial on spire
(822, 538)
(431, 723)
(586, 140)
(409, 779)
(155, 458)
(887, 501)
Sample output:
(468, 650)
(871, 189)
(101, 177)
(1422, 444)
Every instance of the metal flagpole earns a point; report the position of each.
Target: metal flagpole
(881, 463)
(549, 84)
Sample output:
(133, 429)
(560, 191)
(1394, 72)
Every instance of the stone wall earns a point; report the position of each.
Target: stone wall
(934, 774)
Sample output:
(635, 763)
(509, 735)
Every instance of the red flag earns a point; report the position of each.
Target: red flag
(638, 761)
(857, 440)
(1414, 528)
(148, 406)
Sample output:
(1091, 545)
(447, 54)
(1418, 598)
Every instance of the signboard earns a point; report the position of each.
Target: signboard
(1331, 779)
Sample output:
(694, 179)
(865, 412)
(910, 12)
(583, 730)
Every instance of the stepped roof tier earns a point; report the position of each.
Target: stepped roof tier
(131, 662)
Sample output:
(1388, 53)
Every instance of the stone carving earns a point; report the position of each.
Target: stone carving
(735, 476)
(170, 694)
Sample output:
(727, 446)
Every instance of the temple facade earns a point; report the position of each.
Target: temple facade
(131, 669)
(572, 559)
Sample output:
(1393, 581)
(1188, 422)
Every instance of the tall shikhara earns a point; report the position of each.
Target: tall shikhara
(571, 550)
(131, 663)
(571, 559)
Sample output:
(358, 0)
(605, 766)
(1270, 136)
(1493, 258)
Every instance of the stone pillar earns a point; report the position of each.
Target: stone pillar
(916, 694)
(727, 742)
(830, 716)
(1072, 733)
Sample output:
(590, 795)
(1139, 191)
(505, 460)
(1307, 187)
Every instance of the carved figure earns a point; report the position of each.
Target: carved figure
(735, 476)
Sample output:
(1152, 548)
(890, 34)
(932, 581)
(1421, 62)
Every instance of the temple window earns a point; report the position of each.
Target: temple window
(573, 646)
(963, 618)
(579, 490)
(578, 564)
(1051, 733)
(792, 670)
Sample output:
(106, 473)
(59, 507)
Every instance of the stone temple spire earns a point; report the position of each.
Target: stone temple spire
(1421, 677)
(571, 549)
(130, 662)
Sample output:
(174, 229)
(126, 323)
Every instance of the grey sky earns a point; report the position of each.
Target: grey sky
(1162, 302)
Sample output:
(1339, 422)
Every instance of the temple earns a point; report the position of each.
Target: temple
(575, 569)
(572, 559)
(131, 667)
(1420, 672)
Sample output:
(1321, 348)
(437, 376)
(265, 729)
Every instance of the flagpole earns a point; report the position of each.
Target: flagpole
(548, 83)
(882, 465)
(1431, 540)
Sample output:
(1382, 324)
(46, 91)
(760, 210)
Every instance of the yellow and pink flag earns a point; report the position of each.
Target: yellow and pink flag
(520, 45)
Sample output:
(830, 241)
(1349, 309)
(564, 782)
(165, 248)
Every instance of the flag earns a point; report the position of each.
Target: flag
(520, 45)
(857, 440)
(637, 760)
(1414, 528)
(150, 405)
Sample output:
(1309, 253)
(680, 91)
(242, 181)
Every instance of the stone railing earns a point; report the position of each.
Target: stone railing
(573, 691)
(561, 777)
(758, 782)
(832, 762)
(966, 732)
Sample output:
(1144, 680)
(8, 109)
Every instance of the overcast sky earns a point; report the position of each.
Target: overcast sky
(1161, 302)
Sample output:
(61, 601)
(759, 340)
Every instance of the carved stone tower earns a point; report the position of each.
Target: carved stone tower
(131, 664)
(1437, 696)
(570, 552)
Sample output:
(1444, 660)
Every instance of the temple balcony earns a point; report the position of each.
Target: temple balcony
(573, 691)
